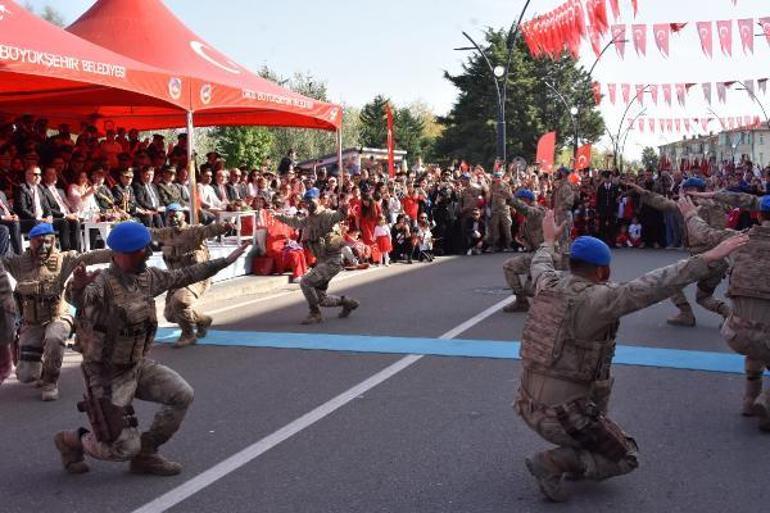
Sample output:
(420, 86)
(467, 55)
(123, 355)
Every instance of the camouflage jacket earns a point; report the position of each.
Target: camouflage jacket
(531, 232)
(738, 200)
(183, 246)
(499, 196)
(563, 197)
(319, 232)
(469, 199)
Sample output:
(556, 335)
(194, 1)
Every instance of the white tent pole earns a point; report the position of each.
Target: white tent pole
(191, 169)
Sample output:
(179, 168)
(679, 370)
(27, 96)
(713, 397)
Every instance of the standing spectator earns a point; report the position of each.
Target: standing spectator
(607, 207)
(651, 219)
(673, 219)
(287, 163)
(383, 238)
(401, 238)
(411, 202)
(635, 233)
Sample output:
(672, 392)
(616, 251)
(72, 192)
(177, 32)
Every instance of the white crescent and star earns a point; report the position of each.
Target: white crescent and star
(201, 50)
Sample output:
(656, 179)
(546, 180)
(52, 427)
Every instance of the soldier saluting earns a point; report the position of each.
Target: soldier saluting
(116, 324)
(567, 350)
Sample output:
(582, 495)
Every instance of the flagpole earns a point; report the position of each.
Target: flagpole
(191, 169)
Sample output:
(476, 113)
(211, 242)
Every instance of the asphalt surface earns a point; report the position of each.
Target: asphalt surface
(438, 436)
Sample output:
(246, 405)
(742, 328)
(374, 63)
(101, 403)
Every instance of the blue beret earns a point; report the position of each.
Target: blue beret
(525, 194)
(41, 230)
(312, 194)
(128, 237)
(174, 207)
(764, 204)
(591, 250)
(694, 183)
(563, 170)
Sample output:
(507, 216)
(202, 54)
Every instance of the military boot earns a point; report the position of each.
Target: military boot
(521, 304)
(50, 392)
(348, 305)
(753, 389)
(203, 325)
(549, 477)
(148, 461)
(684, 318)
(71, 449)
(314, 317)
(187, 338)
(762, 412)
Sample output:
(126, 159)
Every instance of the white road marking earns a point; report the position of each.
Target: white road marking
(237, 460)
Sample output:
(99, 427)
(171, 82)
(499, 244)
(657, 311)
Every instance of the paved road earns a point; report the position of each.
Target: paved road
(284, 430)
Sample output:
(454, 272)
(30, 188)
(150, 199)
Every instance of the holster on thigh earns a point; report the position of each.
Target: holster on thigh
(584, 421)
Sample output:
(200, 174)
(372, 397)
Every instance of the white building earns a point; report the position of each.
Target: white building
(729, 145)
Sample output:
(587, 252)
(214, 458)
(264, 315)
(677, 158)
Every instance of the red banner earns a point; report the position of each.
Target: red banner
(546, 149)
(612, 90)
(662, 32)
(583, 157)
(626, 90)
(725, 31)
(640, 39)
(391, 156)
(746, 29)
(706, 37)
(654, 93)
(619, 37)
(667, 93)
(640, 93)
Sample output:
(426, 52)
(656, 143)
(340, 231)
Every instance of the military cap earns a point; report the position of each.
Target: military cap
(41, 230)
(591, 251)
(129, 237)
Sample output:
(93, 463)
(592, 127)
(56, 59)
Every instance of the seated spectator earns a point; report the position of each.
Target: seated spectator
(123, 192)
(235, 189)
(621, 239)
(424, 235)
(11, 222)
(209, 199)
(57, 212)
(355, 251)
(149, 207)
(82, 200)
(168, 190)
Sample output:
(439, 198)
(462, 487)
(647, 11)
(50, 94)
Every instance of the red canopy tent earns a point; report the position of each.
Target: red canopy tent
(222, 91)
(47, 71)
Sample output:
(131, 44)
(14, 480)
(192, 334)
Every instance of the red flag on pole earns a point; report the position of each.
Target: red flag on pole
(746, 28)
(546, 149)
(725, 30)
(391, 156)
(706, 37)
(583, 157)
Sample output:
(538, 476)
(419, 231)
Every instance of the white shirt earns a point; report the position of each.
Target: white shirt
(36, 203)
(635, 231)
(209, 197)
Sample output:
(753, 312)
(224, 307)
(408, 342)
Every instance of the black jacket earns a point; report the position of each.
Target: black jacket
(143, 197)
(24, 203)
(607, 200)
(124, 196)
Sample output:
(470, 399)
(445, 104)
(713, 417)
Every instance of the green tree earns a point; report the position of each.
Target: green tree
(373, 131)
(531, 109)
(410, 126)
(649, 158)
(408, 133)
(248, 146)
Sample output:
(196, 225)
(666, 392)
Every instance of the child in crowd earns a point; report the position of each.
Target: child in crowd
(401, 237)
(635, 233)
(383, 239)
(621, 241)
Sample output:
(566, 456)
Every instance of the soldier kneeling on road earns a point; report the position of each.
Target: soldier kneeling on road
(567, 350)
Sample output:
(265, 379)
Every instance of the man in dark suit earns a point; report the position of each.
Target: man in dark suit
(235, 189)
(56, 209)
(28, 200)
(220, 186)
(11, 222)
(123, 193)
(474, 232)
(148, 199)
(607, 208)
(169, 190)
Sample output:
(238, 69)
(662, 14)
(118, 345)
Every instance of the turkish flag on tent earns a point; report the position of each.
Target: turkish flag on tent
(640, 38)
(662, 32)
(391, 146)
(746, 29)
(667, 93)
(583, 157)
(546, 149)
(222, 92)
(48, 72)
(619, 39)
(706, 37)
(612, 90)
(626, 90)
(725, 31)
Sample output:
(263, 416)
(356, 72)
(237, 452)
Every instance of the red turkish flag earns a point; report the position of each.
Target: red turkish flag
(619, 39)
(749, 86)
(662, 32)
(746, 28)
(601, 16)
(654, 93)
(651, 124)
(725, 31)
(681, 93)
(765, 24)
(704, 123)
(667, 93)
(635, 5)
(706, 37)
(662, 123)
(596, 40)
(641, 125)
(677, 27)
(670, 125)
(762, 83)
(546, 147)
(707, 91)
(686, 125)
(597, 89)
(615, 9)
(583, 157)
(678, 124)
(580, 20)
(640, 93)
(721, 92)
(640, 38)
(612, 90)
(626, 90)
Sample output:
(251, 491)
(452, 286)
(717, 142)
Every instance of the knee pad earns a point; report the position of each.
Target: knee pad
(28, 372)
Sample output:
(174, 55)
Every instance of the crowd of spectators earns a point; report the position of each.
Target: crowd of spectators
(69, 178)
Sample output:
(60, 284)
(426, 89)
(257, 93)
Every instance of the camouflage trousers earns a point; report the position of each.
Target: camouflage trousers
(704, 294)
(590, 445)
(41, 351)
(499, 230)
(751, 339)
(514, 268)
(180, 305)
(147, 381)
(316, 281)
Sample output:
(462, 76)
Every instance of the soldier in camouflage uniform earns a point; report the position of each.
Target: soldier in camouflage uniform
(185, 245)
(531, 236)
(116, 326)
(715, 215)
(500, 223)
(7, 324)
(469, 196)
(563, 199)
(747, 330)
(46, 324)
(320, 234)
(567, 348)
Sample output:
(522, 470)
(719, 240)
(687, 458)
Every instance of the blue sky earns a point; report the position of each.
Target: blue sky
(400, 48)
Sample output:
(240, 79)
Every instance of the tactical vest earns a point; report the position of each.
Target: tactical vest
(532, 232)
(179, 256)
(322, 243)
(38, 295)
(128, 323)
(499, 196)
(550, 347)
(750, 276)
